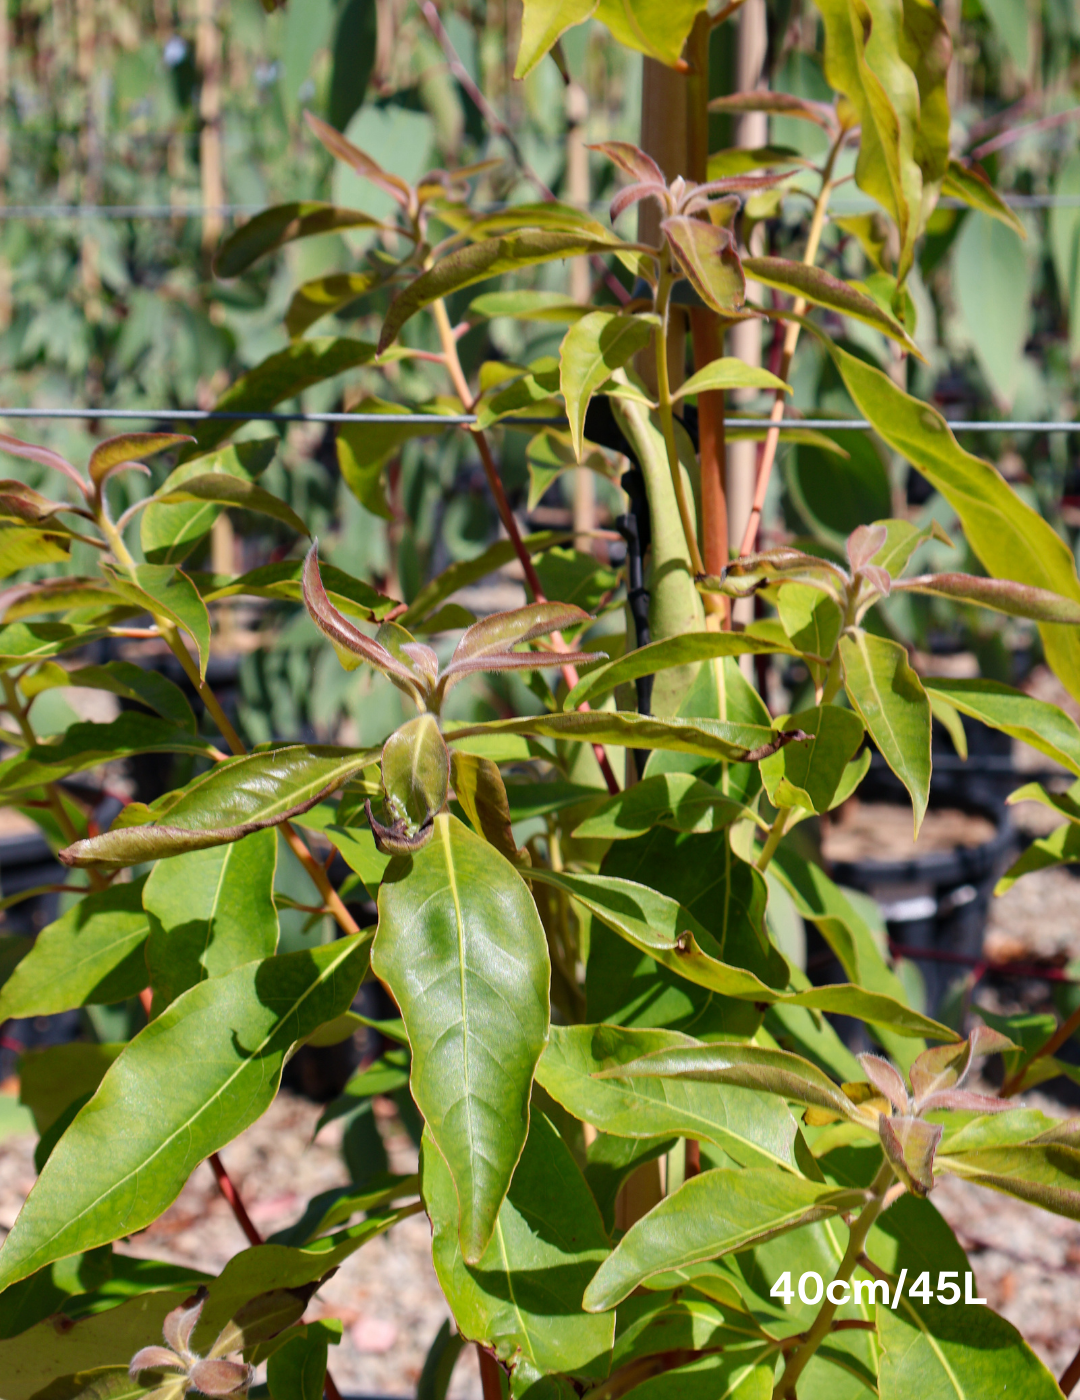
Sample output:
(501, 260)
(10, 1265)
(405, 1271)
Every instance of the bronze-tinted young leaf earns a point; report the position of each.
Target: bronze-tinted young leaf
(489, 258)
(21, 502)
(282, 224)
(780, 104)
(233, 799)
(743, 577)
(632, 160)
(821, 288)
(349, 641)
(910, 1144)
(1003, 595)
(479, 787)
(967, 181)
(500, 631)
(708, 257)
(887, 1079)
(45, 457)
(129, 450)
(415, 774)
(462, 949)
(342, 149)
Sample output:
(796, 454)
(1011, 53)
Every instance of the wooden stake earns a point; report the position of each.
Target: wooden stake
(208, 62)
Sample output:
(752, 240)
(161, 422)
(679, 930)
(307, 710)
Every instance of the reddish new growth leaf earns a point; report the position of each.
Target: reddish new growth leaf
(888, 1080)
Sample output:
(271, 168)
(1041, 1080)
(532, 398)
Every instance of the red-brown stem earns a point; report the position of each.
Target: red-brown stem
(693, 1158)
(1048, 1047)
(1070, 1376)
(229, 1191)
(712, 449)
(330, 1390)
(490, 1375)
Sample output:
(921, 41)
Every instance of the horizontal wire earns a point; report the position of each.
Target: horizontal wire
(467, 420)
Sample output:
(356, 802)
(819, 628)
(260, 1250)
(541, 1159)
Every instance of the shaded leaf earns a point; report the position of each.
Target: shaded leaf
(169, 533)
(222, 489)
(808, 775)
(676, 800)
(129, 450)
(1036, 722)
(322, 296)
(122, 678)
(967, 181)
(282, 224)
(707, 256)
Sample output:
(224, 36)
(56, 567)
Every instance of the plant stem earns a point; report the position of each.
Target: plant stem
(1070, 1376)
(229, 1191)
(791, 340)
(173, 641)
(667, 418)
(776, 832)
(798, 1361)
(490, 1375)
(319, 879)
(1048, 1047)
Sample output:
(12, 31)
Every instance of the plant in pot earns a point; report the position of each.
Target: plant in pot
(644, 911)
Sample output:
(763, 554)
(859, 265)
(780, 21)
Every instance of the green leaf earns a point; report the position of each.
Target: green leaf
(322, 296)
(706, 254)
(92, 955)
(282, 224)
(282, 376)
(46, 1353)
(716, 1213)
(170, 596)
(339, 1204)
(22, 546)
(902, 539)
(128, 450)
(997, 328)
(220, 1048)
(808, 775)
(297, 1371)
(479, 787)
(889, 698)
(730, 373)
(821, 288)
(489, 258)
(415, 773)
(169, 533)
(522, 1297)
(363, 450)
(739, 743)
(85, 745)
(1036, 722)
(542, 24)
(21, 642)
(592, 350)
(283, 580)
(611, 1161)
(210, 911)
(729, 1376)
(527, 305)
(1009, 538)
(462, 949)
(833, 496)
(813, 621)
(1045, 1172)
(676, 800)
(754, 1129)
(219, 488)
(234, 798)
(967, 181)
(683, 650)
(123, 678)
(52, 1078)
(946, 1353)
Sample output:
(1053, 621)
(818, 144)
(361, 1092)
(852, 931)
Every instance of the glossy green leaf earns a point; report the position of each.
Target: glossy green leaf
(280, 376)
(734, 1375)
(948, 1353)
(52, 1078)
(322, 296)
(85, 745)
(171, 597)
(91, 955)
(415, 773)
(462, 949)
(489, 258)
(821, 288)
(210, 911)
(812, 620)
(739, 743)
(1036, 722)
(966, 181)
(808, 775)
(282, 224)
(1044, 1172)
(752, 1128)
(220, 1048)
(676, 800)
(592, 350)
(233, 799)
(716, 1213)
(522, 1297)
(219, 488)
(889, 698)
(21, 642)
(283, 580)
(729, 373)
(705, 253)
(1009, 538)
(169, 533)
(122, 678)
(684, 650)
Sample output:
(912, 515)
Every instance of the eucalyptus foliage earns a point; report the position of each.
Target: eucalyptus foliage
(605, 987)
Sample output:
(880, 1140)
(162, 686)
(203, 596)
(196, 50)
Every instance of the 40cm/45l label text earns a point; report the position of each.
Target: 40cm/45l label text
(812, 1288)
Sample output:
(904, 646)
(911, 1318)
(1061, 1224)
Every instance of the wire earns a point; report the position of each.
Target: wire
(467, 420)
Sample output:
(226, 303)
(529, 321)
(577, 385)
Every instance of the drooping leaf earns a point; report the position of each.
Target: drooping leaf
(1015, 599)
(592, 350)
(209, 911)
(123, 678)
(808, 775)
(821, 288)
(233, 799)
(889, 698)
(171, 597)
(462, 949)
(128, 450)
(489, 258)
(752, 1128)
(523, 1295)
(93, 954)
(479, 787)
(966, 181)
(282, 224)
(1036, 722)
(716, 1213)
(1009, 538)
(169, 533)
(221, 489)
(739, 743)
(22, 546)
(220, 1048)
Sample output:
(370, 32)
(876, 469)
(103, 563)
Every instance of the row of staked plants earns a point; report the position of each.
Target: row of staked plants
(614, 992)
